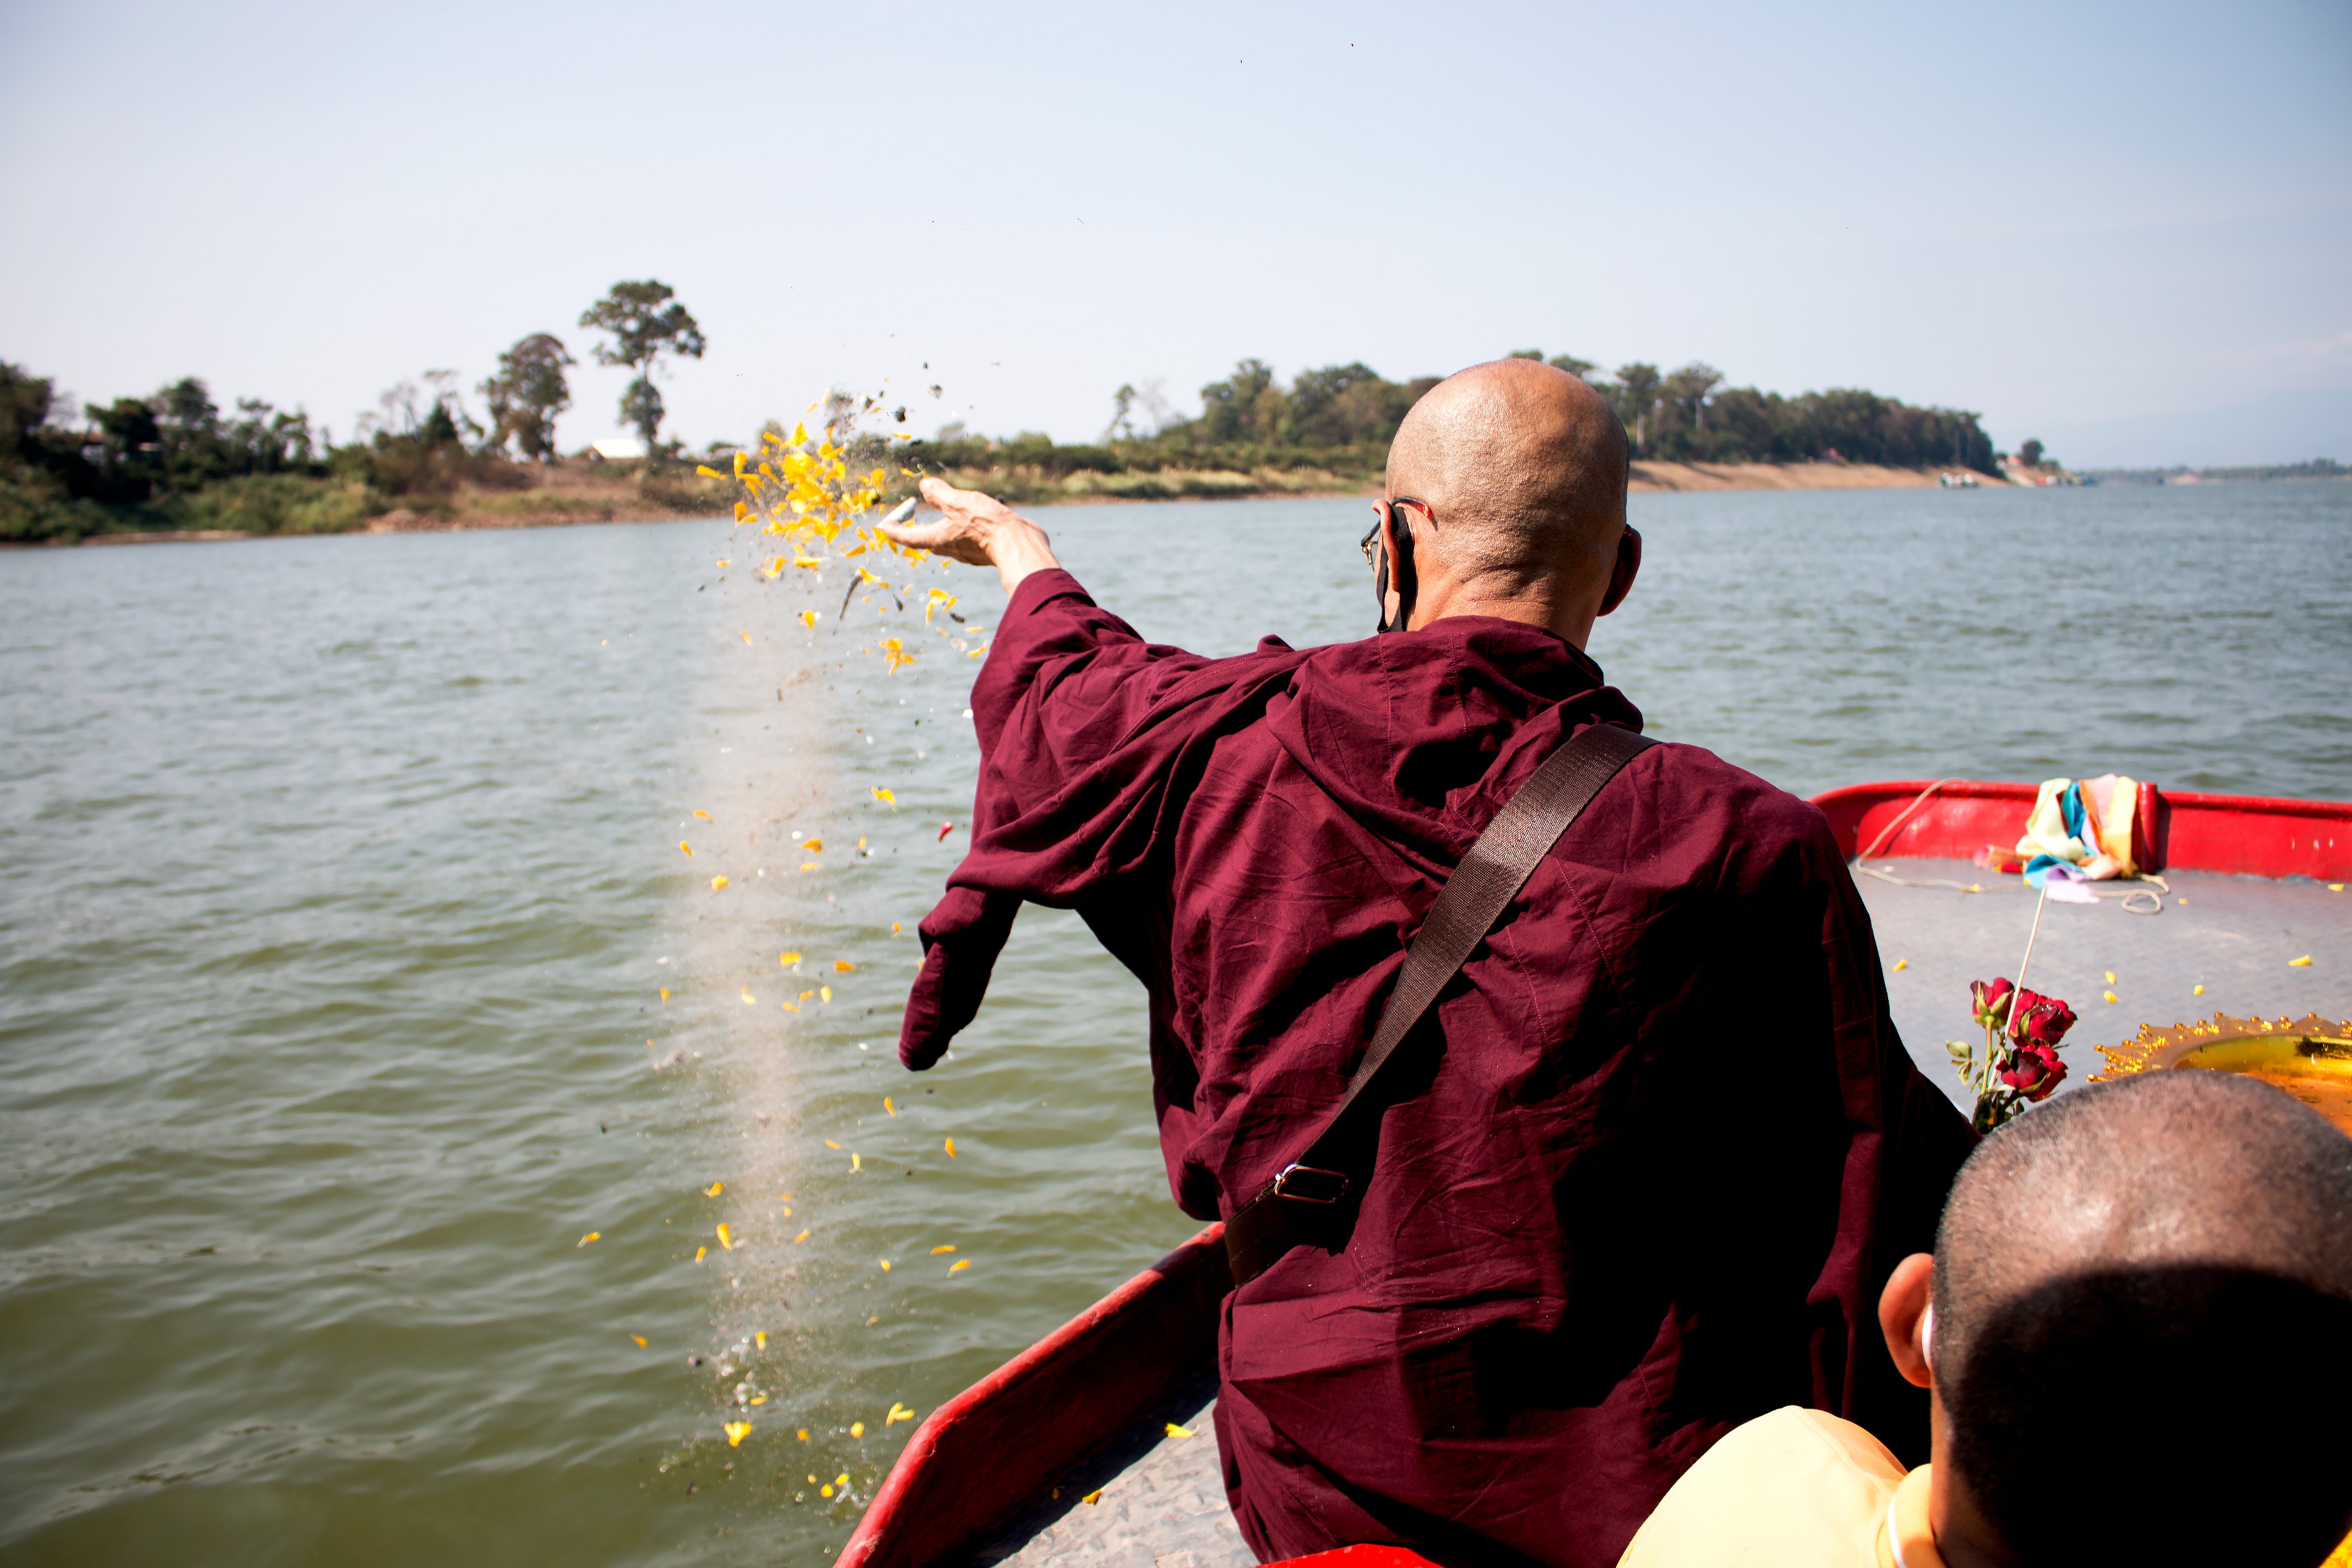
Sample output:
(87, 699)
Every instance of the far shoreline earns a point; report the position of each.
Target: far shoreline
(499, 510)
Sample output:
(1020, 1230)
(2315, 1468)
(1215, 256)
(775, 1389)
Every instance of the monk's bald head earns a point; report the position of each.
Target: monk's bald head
(1524, 466)
(2135, 1275)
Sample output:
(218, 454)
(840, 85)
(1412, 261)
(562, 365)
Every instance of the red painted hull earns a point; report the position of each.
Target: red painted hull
(989, 1452)
(2244, 835)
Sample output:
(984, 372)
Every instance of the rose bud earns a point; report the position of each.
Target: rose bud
(2042, 1020)
(2034, 1071)
(1991, 998)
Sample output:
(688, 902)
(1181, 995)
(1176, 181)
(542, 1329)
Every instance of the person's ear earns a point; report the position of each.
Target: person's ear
(1907, 1316)
(1621, 575)
(1393, 594)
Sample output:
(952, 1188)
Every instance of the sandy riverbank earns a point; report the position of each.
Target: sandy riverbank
(575, 492)
(1656, 477)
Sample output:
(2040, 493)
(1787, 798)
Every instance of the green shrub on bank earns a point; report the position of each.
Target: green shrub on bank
(275, 504)
(35, 506)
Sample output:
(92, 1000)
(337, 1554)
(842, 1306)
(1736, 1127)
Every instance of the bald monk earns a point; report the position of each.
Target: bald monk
(2134, 1325)
(1652, 1153)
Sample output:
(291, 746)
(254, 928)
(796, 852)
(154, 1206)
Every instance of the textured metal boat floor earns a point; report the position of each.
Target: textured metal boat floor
(2233, 935)
(1162, 1503)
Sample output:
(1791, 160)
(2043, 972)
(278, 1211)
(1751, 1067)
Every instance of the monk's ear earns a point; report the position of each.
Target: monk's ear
(1907, 1316)
(1621, 575)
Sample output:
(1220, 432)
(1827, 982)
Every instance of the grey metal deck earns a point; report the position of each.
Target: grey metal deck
(1163, 1502)
(1163, 1498)
(2233, 935)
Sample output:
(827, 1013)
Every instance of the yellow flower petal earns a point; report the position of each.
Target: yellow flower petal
(856, 1430)
(825, 993)
(885, 796)
(2110, 996)
(750, 1000)
(759, 1399)
(814, 846)
(640, 1339)
(887, 1106)
(937, 1251)
(804, 1437)
(714, 1189)
(684, 847)
(2303, 963)
(735, 1432)
(958, 1264)
(2111, 977)
(726, 1240)
(717, 883)
(808, 619)
(665, 991)
(747, 636)
(830, 1145)
(1902, 963)
(1093, 1496)
(843, 966)
(825, 1490)
(704, 814)
(800, 1237)
(788, 959)
(886, 1264)
(708, 472)
(1176, 1431)
(586, 1239)
(762, 1336)
(698, 1252)
(855, 1163)
(951, 1149)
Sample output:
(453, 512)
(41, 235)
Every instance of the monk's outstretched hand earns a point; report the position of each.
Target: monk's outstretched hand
(980, 531)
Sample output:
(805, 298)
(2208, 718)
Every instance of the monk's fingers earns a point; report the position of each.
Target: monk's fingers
(957, 540)
(956, 502)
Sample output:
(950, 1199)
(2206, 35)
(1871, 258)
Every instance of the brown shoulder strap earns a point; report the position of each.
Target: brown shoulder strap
(1490, 876)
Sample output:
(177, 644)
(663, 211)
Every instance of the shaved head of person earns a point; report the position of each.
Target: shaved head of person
(2142, 1314)
(1518, 470)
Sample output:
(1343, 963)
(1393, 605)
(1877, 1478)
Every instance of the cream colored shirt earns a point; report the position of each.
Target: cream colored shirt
(1797, 1488)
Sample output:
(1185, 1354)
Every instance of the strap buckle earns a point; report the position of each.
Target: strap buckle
(1308, 1184)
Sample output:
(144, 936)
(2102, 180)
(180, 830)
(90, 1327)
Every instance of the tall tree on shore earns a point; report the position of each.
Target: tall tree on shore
(528, 393)
(643, 331)
(1637, 398)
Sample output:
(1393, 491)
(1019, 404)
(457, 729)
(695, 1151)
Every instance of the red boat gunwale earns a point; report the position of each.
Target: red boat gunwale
(993, 1449)
(2242, 835)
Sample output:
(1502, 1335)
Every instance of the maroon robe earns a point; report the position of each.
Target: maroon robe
(1648, 1165)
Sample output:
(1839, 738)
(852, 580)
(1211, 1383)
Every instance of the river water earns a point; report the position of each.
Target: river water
(342, 883)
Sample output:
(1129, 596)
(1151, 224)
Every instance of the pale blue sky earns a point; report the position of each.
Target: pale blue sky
(2126, 229)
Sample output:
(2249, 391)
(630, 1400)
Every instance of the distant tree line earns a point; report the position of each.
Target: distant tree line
(177, 460)
(1342, 417)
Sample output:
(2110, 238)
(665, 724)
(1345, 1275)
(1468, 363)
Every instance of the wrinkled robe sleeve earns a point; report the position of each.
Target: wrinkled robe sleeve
(1078, 720)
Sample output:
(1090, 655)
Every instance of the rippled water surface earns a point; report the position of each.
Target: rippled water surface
(343, 882)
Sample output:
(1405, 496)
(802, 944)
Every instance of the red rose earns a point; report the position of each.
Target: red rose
(2034, 1070)
(1992, 999)
(2042, 1020)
